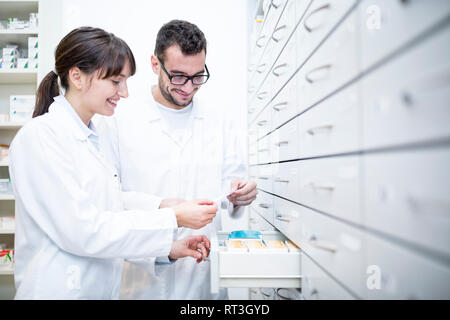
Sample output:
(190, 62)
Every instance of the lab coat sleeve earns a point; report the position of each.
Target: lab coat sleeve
(234, 163)
(51, 194)
(140, 201)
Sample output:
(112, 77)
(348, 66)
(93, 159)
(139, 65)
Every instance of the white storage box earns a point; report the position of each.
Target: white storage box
(32, 42)
(21, 107)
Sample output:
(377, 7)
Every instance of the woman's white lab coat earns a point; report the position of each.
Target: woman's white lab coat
(72, 232)
(202, 165)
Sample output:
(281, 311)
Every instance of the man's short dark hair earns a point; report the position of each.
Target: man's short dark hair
(186, 35)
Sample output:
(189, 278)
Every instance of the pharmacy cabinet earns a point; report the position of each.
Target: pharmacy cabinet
(19, 45)
(349, 144)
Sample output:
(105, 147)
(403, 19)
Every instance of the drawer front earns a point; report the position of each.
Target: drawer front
(282, 30)
(264, 269)
(332, 185)
(263, 122)
(252, 134)
(317, 285)
(406, 195)
(408, 105)
(331, 127)
(253, 154)
(387, 25)
(332, 65)
(338, 247)
(263, 150)
(286, 179)
(393, 272)
(264, 179)
(321, 17)
(257, 222)
(284, 105)
(284, 66)
(263, 204)
(288, 219)
(284, 142)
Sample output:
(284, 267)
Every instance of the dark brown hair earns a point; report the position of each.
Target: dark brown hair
(89, 49)
(186, 35)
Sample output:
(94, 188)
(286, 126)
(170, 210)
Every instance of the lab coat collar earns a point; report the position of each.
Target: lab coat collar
(154, 114)
(63, 105)
(197, 113)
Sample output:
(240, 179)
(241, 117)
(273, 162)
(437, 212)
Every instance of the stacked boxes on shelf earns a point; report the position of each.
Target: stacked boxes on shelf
(13, 57)
(21, 107)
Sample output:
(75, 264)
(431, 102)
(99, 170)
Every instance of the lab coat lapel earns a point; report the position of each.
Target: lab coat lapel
(194, 123)
(63, 114)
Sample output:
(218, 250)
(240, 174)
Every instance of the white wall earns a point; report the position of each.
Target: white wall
(137, 22)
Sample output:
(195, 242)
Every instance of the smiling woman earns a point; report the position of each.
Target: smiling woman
(84, 55)
(74, 225)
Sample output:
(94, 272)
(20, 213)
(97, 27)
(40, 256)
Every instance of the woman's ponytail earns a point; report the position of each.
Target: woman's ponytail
(48, 88)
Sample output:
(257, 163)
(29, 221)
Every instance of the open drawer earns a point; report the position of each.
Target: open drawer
(263, 268)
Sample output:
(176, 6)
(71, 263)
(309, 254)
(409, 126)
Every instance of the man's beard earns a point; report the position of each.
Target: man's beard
(166, 94)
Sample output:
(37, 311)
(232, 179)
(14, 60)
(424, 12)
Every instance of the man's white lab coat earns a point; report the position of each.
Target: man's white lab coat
(150, 159)
(72, 233)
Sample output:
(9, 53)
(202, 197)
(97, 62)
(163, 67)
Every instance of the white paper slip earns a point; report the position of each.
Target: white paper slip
(222, 201)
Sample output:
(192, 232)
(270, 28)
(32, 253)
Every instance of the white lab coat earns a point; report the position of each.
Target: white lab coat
(150, 159)
(72, 233)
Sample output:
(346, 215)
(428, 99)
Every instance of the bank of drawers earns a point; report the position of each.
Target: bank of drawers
(350, 147)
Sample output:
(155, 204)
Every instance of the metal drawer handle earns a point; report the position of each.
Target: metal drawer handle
(282, 296)
(323, 245)
(324, 186)
(305, 23)
(280, 217)
(273, 4)
(265, 294)
(281, 180)
(314, 292)
(313, 130)
(280, 106)
(263, 178)
(277, 74)
(262, 123)
(261, 68)
(263, 150)
(308, 75)
(258, 44)
(275, 31)
(279, 144)
(264, 205)
(261, 95)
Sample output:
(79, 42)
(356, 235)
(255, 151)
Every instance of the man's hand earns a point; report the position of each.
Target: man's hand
(194, 246)
(243, 192)
(195, 214)
(170, 202)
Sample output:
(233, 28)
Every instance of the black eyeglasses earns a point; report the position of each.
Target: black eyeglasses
(181, 80)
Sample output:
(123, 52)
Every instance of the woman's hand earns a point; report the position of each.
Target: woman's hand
(195, 214)
(196, 247)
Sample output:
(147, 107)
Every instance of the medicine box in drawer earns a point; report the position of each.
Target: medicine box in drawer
(254, 267)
